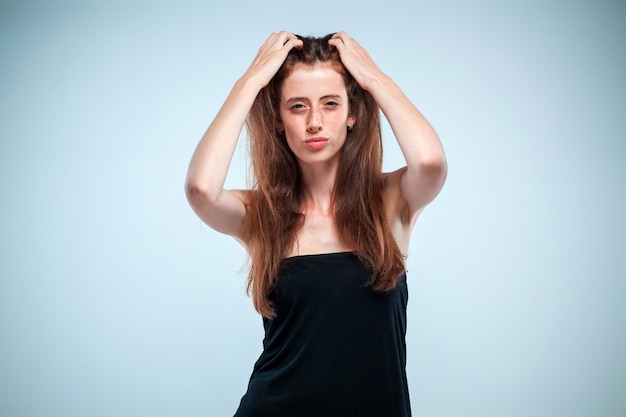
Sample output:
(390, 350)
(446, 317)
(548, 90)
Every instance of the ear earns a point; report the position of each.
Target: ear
(351, 121)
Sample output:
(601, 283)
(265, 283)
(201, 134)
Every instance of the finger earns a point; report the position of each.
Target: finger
(342, 36)
(292, 41)
(337, 43)
(298, 43)
(283, 37)
(335, 39)
(271, 42)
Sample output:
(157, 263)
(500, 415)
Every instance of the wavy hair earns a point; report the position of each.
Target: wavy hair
(274, 212)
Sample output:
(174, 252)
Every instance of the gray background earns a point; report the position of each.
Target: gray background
(115, 300)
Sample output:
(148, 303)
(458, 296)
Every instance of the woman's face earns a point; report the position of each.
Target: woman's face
(314, 113)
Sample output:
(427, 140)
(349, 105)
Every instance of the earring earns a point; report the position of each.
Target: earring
(281, 132)
(350, 127)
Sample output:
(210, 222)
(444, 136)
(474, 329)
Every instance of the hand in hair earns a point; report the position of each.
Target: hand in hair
(271, 56)
(356, 59)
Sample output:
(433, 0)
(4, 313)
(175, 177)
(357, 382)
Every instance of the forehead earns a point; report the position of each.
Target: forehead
(313, 82)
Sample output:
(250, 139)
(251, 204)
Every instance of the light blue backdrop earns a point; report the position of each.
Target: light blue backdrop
(115, 300)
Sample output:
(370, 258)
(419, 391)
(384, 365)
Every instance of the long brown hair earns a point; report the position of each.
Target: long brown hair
(274, 212)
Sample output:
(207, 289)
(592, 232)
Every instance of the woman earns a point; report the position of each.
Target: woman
(326, 230)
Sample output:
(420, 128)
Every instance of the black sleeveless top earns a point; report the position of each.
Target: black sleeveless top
(336, 348)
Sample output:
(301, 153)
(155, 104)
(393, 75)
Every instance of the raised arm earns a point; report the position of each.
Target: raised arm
(426, 167)
(224, 210)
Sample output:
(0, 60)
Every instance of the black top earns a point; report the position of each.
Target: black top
(336, 347)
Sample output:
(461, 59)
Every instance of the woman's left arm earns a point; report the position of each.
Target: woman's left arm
(426, 162)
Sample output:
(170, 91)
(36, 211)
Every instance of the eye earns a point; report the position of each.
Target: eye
(297, 106)
(332, 104)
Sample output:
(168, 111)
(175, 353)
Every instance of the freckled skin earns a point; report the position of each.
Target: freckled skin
(314, 104)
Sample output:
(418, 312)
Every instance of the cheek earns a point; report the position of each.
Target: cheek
(292, 124)
(340, 121)
(292, 144)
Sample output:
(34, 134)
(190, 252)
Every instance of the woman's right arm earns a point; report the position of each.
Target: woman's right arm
(224, 210)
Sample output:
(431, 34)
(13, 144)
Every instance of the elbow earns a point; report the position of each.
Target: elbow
(435, 166)
(194, 192)
(199, 194)
(435, 162)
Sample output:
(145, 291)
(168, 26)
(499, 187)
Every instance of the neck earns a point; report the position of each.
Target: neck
(319, 182)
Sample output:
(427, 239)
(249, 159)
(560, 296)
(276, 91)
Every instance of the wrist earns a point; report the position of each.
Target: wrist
(254, 81)
(247, 84)
(377, 81)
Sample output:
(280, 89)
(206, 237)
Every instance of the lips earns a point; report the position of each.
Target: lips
(316, 143)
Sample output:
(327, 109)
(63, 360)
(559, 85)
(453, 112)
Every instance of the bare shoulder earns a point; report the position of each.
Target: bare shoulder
(394, 177)
(242, 195)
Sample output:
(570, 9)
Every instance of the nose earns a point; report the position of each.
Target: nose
(314, 122)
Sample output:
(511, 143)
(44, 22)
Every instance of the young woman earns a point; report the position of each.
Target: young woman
(326, 230)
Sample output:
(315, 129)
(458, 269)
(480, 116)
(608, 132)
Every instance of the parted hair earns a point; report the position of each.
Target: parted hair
(274, 206)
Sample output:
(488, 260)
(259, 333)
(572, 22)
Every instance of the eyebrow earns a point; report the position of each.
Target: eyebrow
(327, 96)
